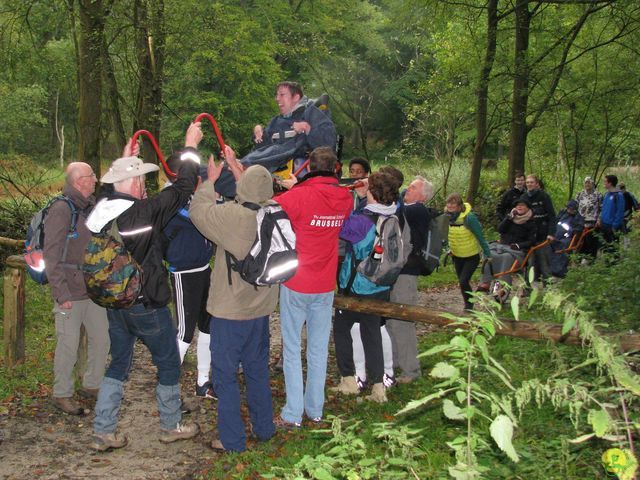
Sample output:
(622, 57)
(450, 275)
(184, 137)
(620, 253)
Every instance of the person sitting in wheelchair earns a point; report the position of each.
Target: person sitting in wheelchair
(517, 234)
(570, 224)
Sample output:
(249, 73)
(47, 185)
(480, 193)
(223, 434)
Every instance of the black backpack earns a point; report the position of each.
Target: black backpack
(272, 259)
(434, 242)
(34, 241)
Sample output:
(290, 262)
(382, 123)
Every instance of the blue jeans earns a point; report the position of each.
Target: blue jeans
(232, 342)
(154, 326)
(296, 309)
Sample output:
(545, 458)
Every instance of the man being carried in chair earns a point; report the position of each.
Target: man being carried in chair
(299, 119)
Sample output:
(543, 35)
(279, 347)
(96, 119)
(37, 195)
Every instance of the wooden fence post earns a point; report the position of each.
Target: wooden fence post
(14, 297)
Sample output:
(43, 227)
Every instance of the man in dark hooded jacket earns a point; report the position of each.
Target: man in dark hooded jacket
(544, 215)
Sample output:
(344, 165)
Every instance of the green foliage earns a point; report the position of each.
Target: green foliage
(607, 291)
(21, 109)
(346, 456)
(468, 353)
(33, 377)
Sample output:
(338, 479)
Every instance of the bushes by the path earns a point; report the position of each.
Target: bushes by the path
(609, 288)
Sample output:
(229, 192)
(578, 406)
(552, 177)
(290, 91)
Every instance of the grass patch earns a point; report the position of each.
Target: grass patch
(34, 376)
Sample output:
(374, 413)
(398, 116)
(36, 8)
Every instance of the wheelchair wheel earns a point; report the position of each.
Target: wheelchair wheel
(499, 291)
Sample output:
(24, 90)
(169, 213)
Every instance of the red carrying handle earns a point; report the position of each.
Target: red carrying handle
(152, 139)
(355, 185)
(214, 124)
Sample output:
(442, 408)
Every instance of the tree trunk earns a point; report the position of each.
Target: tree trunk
(150, 42)
(112, 96)
(92, 20)
(482, 97)
(520, 96)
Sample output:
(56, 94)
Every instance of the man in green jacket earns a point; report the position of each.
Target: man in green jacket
(239, 310)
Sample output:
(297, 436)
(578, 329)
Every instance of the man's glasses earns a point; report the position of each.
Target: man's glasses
(93, 175)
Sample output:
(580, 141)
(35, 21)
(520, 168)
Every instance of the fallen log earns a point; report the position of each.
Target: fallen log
(541, 331)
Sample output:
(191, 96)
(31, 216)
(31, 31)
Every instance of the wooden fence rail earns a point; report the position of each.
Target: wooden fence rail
(10, 242)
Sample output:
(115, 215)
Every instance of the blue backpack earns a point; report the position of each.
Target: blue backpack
(34, 242)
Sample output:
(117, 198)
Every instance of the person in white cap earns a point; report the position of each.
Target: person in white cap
(140, 221)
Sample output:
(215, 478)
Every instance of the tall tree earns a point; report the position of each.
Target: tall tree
(150, 46)
(482, 97)
(92, 22)
(523, 65)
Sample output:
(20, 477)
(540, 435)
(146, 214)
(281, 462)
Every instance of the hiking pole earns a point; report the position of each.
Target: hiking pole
(151, 138)
(214, 124)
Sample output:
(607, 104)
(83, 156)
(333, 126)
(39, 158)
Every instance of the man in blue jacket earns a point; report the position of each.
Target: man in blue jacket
(188, 253)
(611, 218)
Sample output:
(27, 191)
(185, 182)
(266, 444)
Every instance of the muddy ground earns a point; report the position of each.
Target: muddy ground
(39, 442)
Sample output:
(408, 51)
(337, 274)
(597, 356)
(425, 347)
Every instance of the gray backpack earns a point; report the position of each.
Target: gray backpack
(390, 252)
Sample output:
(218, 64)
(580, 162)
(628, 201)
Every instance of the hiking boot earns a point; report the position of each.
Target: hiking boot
(216, 446)
(388, 380)
(183, 431)
(347, 385)
(102, 442)
(282, 424)
(68, 405)
(206, 391)
(377, 393)
(90, 393)
(316, 420)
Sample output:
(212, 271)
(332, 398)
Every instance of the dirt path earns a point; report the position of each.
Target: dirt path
(41, 443)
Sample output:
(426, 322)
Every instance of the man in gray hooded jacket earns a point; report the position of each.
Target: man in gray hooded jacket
(239, 310)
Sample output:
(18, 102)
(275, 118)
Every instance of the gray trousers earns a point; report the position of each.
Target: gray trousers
(502, 258)
(403, 332)
(68, 323)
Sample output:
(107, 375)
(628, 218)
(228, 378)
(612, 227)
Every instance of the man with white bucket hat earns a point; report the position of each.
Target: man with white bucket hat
(140, 221)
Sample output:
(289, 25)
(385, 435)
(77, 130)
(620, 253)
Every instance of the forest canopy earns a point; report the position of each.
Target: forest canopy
(415, 81)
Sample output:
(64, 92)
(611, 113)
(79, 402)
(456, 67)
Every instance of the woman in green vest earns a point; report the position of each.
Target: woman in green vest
(465, 242)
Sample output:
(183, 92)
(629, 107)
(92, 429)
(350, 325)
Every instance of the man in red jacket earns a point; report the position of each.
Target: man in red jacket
(317, 206)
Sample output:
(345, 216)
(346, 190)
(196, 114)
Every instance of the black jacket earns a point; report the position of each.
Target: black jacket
(507, 202)
(141, 229)
(544, 214)
(524, 235)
